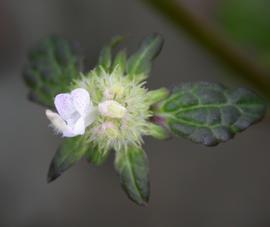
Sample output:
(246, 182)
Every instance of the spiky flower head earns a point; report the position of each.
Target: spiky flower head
(109, 110)
(116, 105)
(123, 109)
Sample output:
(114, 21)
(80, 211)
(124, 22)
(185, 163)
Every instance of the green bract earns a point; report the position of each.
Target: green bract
(132, 167)
(203, 112)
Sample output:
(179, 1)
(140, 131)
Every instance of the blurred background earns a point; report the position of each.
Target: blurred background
(192, 186)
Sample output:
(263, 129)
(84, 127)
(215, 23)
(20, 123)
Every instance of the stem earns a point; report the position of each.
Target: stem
(201, 32)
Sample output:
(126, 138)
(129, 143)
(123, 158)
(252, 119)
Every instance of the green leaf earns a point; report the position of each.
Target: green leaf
(66, 156)
(209, 113)
(132, 167)
(141, 61)
(51, 67)
(96, 156)
(105, 56)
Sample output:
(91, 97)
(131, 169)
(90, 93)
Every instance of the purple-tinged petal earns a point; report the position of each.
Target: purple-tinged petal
(64, 105)
(73, 119)
(81, 101)
(76, 112)
(69, 134)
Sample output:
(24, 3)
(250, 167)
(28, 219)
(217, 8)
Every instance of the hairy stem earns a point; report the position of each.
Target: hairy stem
(201, 32)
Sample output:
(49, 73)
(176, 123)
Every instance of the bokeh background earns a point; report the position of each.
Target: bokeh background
(192, 186)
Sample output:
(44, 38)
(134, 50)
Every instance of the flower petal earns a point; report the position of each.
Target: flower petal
(64, 105)
(58, 123)
(81, 101)
(73, 119)
(90, 117)
(69, 133)
(79, 127)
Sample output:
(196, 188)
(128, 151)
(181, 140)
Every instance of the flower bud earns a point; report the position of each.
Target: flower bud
(114, 91)
(109, 129)
(111, 108)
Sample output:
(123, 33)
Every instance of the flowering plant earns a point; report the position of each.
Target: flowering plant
(110, 109)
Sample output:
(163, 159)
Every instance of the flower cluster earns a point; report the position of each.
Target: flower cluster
(111, 111)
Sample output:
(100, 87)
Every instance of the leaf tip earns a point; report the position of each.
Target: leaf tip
(53, 174)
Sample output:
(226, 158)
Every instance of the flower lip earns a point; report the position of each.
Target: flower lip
(75, 112)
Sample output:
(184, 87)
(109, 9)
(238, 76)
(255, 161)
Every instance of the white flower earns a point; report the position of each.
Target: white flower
(75, 113)
(111, 108)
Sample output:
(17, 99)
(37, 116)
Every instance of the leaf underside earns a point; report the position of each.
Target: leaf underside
(132, 167)
(51, 67)
(210, 113)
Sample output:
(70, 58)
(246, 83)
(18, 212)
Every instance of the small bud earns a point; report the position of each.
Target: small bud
(107, 125)
(109, 128)
(118, 90)
(111, 108)
(114, 91)
(157, 131)
(158, 95)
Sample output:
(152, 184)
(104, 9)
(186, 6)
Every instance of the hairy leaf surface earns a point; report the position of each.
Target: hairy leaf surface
(51, 67)
(210, 113)
(132, 167)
